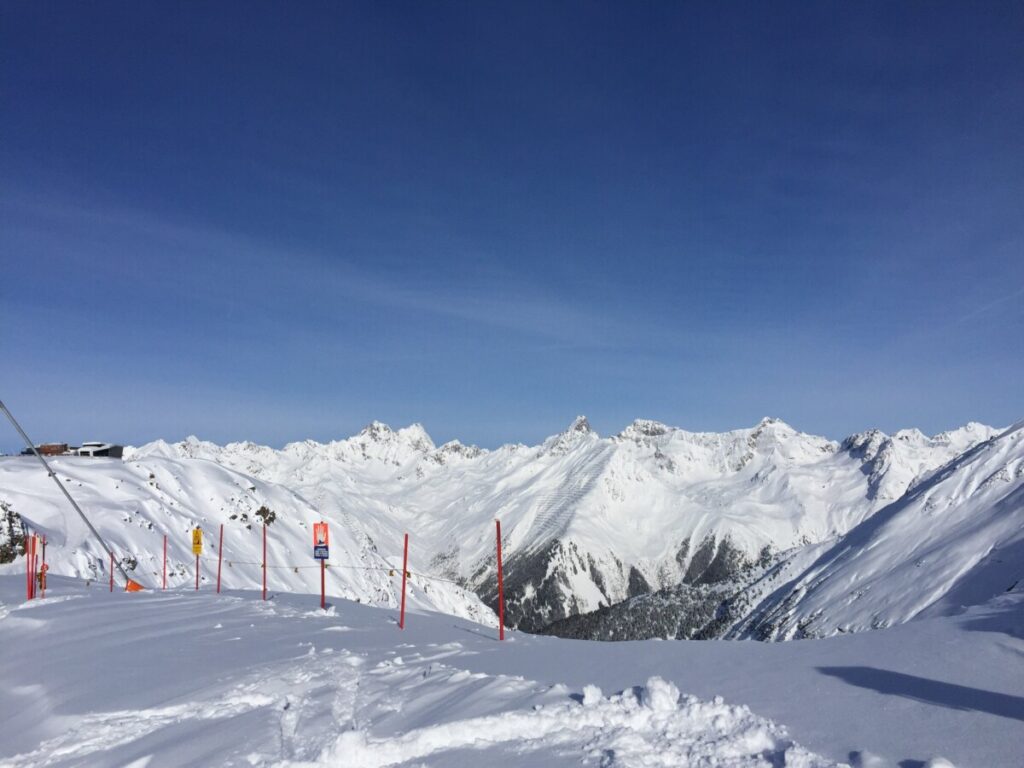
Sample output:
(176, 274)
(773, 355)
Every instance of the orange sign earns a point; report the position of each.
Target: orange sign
(320, 541)
(320, 535)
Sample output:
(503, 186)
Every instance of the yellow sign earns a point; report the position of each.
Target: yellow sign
(197, 541)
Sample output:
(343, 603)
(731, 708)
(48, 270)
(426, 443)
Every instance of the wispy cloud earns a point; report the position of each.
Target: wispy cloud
(991, 305)
(218, 268)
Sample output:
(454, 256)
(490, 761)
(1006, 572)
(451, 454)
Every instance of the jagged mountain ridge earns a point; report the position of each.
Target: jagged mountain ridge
(955, 539)
(590, 521)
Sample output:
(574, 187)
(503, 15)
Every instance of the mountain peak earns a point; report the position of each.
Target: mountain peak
(580, 424)
(376, 430)
(641, 428)
(413, 435)
(565, 441)
(417, 436)
(771, 422)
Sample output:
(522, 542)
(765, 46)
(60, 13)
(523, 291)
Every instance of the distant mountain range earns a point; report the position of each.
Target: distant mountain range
(763, 532)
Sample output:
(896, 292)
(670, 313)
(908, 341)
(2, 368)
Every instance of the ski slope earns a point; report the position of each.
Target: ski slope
(135, 503)
(184, 678)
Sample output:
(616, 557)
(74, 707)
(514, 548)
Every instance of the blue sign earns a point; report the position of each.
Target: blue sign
(320, 552)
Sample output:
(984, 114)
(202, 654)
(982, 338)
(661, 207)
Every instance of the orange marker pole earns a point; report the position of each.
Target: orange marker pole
(405, 570)
(501, 588)
(42, 570)
(220, 555)
(35, 564)
(30, 566)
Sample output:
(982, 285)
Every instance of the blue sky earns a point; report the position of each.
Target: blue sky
(280, 221)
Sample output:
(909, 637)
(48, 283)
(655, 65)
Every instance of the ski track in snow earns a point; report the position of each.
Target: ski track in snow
(336, 707)
(652, 727)
(558, 508)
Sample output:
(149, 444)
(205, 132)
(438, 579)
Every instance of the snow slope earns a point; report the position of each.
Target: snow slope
(135, 503)
(590, 521)
(175, 678)
(955, 540)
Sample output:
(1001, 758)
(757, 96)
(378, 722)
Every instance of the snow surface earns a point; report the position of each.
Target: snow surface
(154, 679)
(134, 504)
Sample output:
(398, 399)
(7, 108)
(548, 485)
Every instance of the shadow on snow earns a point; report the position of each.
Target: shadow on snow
(949, 695)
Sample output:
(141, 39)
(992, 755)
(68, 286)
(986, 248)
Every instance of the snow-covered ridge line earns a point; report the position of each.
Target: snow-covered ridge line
(416, 438)
(590, 521)
(586, 521)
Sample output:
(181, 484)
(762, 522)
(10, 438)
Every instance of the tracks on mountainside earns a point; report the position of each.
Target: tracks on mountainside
(558, 507)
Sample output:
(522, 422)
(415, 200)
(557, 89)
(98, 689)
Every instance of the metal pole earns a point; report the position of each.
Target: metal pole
(264, 561)
(42, 570)
(323, 585)
(165, 561)
(51, 473)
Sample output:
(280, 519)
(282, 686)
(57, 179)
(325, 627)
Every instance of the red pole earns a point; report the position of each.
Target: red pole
(42, 580)
(405, 569)
(30, 566)
(323, 585)
(220, 555)
(264, 561)
(165, 561)
(501, 588)
(111, 570)
(35, 563)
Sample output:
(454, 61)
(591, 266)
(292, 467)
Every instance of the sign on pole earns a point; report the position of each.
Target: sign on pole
(320, 541)
(197, 550)
(320, 544)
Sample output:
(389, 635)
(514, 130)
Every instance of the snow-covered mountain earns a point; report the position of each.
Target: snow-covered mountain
(953, 541)
(135, 503)
(587, 521)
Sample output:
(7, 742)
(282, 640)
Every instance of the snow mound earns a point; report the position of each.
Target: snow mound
(654, 727)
